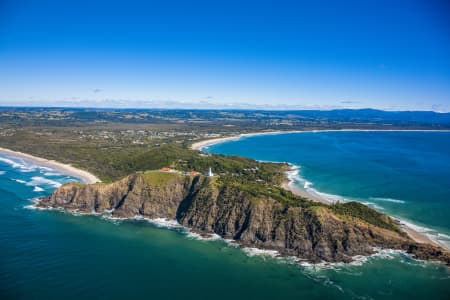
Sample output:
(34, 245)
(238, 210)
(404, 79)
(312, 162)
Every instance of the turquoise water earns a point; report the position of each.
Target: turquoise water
(49, 254)
(405, 174)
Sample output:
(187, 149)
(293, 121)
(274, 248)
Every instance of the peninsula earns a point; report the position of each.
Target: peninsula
(247, 201)
(252, 215)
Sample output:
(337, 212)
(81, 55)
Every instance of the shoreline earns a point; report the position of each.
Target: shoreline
(67, 169)
(417, 236)
(193, 234)
(289, 184)
(209, 142)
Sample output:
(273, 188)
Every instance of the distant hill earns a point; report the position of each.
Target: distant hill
(250, 119)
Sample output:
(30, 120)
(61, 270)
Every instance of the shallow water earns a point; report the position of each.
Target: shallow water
(405, 174)
(49, 254)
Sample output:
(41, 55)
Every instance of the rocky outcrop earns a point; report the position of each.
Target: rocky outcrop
(313, 233)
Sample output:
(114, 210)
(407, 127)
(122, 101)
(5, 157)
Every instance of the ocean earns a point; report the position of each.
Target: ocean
(51, 254)
(404, 174)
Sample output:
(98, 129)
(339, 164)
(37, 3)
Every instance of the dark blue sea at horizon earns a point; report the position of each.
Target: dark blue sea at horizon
(50, 254)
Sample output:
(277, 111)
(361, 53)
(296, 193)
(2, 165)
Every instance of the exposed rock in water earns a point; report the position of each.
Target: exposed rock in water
(305, 230)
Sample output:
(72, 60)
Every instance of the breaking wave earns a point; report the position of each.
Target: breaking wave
(38, 189)
(36, 180)
(387, 200)
(52, 174)
(295, 178)
(19, 181)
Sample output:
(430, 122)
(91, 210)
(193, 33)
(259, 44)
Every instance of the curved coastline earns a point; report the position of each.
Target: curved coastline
(67, 169)
(209, 142)
(410, 229)
(318, 272)
(86, 177)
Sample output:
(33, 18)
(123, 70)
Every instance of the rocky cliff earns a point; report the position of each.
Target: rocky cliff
(302, 229)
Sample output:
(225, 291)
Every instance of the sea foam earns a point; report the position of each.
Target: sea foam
(52, 174)
(435, 236)
(38, 189)
(387, 200)
(36, 180)
(19, 181)
(295, 178)
(13, 164)
(260, 252)
(358, 260)
(19, 164)
(372, 205)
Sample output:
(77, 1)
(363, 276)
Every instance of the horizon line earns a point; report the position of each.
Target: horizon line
(222, 109)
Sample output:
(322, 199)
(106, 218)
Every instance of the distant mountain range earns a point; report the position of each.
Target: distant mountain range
(265, 118)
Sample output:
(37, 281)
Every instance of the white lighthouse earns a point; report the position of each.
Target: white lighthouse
(210, 173)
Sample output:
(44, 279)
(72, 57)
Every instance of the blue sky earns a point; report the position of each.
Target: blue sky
(263, 54)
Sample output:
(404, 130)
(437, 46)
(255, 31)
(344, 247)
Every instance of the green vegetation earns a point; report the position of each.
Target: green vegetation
(159, 179)
(114, 143)
(224, 120)
(259, 190)
(112, 159)
(362, 212)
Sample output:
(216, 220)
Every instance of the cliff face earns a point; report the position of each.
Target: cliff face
(313, 233)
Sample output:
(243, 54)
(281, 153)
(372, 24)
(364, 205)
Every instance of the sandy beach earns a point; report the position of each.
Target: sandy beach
(303, 193)
(205, 143)
(83, 175)
(289, 184)
(417, 236)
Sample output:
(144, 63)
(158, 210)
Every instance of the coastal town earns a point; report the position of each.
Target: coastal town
(225, 150)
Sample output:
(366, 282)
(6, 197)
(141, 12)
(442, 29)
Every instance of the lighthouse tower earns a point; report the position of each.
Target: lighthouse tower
(210, 173)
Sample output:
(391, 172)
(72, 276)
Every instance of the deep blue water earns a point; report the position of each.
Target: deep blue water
(405, 174)
(50, 254)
